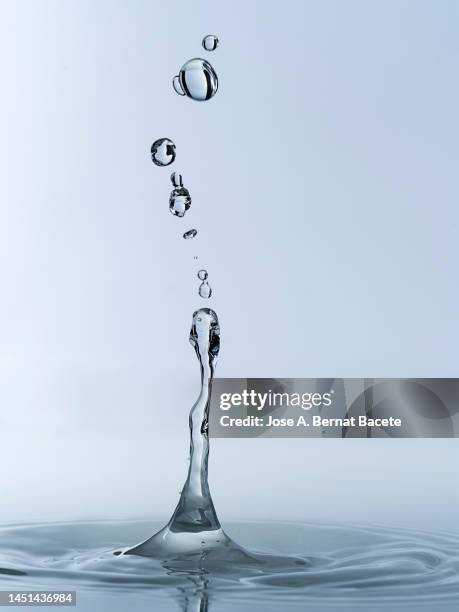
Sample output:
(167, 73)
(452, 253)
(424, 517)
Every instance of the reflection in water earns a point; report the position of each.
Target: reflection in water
(345, 566)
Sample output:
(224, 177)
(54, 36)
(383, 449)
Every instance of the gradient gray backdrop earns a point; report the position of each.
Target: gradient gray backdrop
(325, 193)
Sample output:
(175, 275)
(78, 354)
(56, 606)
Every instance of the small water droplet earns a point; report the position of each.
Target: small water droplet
(190, 234)
(163, 152)
(179, 201)
(205, 290)
(202, 274)
(176, 179)
(210, 42)
(177, 86)
(197, 79)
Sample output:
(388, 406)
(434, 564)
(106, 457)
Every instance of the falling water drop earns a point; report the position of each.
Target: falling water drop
(163, 152)
(197, 79)
(176, 179)
(202, 275)
(190, 234)
(210, 42)
(205, 290)
(179, 201)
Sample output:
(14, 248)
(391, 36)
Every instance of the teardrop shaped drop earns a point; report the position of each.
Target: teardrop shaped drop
(205, 290)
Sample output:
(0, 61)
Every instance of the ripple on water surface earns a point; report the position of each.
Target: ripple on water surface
(300, 563)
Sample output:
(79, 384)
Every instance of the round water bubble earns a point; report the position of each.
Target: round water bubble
(202, 275)
(179, 201)
(190, 234)
(163, 152)
(197, 79)
(210, 42)
(176, 179)
(205, 290)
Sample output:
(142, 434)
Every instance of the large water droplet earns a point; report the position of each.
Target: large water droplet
(205, 290)
(202, 275)
(210, 42)
(190, 234)
(179, 201)
(197, 79)
(163, 152)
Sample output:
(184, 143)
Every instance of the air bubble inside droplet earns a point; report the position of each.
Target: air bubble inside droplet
(197, 79)
(205, 290)
(210, 42)
(163, 152)
(202, 275)
(190, 234)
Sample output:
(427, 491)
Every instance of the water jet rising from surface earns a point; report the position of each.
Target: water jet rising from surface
(194, 526)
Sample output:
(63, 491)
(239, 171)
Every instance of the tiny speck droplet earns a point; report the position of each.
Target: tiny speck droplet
(190, 234)
(205, 290)
(210, 42)
(163, 152)
(202, 275)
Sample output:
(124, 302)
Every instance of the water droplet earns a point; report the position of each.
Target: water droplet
(190, 234)
(210, 42)
(163, 152)
(179, 201)
(176, 179)
(202, 275)
(177, 86)
(197, 79)
(205, 290)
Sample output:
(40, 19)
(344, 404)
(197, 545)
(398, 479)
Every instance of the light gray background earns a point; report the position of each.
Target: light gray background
(324, 185)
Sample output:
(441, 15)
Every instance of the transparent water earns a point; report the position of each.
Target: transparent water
(163, 152)
(303, 566)
(205, 290)
(179, 201)
(193, 564)
(197, 79)
(210, 42)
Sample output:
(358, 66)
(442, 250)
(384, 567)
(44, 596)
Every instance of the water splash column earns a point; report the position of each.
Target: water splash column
(194, 526)
(195, 510)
